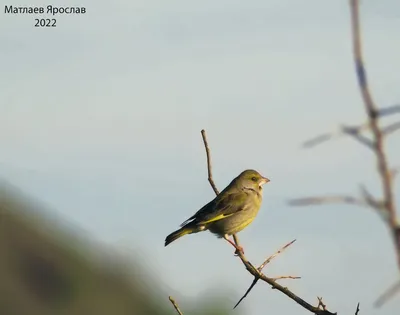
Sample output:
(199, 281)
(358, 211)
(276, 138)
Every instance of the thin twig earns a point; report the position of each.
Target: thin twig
(249, 266)
(306, 201)
(367, 201)
(209, 165)
(268, 260)
(175, 305)
(317, 140)
(286, 277)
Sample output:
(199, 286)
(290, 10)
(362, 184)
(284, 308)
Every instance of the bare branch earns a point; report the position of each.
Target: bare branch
(249, 266)
(378, 134)
(175, 305)
(327, 200)
(367, 201)
(268, 260)
(317, 140)
(386, 208)
(209, 165)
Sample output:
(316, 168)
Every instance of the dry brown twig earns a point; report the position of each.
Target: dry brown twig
(385, 207)
(175, 305)
(257, 272)
(209, 166)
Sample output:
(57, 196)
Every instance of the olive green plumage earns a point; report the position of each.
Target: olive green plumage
(229, 212)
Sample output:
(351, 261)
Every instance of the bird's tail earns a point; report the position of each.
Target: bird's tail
(177, 234)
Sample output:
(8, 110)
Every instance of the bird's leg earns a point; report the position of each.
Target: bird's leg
(238, 248)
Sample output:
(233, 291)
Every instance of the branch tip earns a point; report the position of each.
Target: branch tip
(175, 305)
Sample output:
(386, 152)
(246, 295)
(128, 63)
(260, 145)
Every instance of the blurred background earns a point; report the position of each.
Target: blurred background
(102, 157)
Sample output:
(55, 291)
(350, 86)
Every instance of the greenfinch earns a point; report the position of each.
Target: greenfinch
(229, 212)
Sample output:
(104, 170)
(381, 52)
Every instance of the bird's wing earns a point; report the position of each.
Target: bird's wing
(221, 207)
(203, 210)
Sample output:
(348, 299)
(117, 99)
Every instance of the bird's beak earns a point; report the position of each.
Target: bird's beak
(264, 180)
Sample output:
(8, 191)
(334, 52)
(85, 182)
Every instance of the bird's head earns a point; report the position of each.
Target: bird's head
(251, 179)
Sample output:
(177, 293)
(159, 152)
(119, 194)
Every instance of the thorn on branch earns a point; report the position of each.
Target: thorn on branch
(358, 309)
(247, 291)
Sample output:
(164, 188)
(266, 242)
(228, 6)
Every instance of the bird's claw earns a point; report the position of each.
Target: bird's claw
(239, 250)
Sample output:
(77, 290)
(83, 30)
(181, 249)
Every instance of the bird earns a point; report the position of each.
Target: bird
(229, 212)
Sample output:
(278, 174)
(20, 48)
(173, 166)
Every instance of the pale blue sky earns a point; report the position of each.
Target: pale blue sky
(101, 118)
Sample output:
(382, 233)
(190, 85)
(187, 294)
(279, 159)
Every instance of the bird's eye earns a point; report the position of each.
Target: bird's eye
(254, 179)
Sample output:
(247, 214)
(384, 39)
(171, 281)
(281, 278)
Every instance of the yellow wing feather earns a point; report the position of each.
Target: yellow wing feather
(218, 217)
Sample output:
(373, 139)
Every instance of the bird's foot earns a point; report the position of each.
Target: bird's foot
(239, 249)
